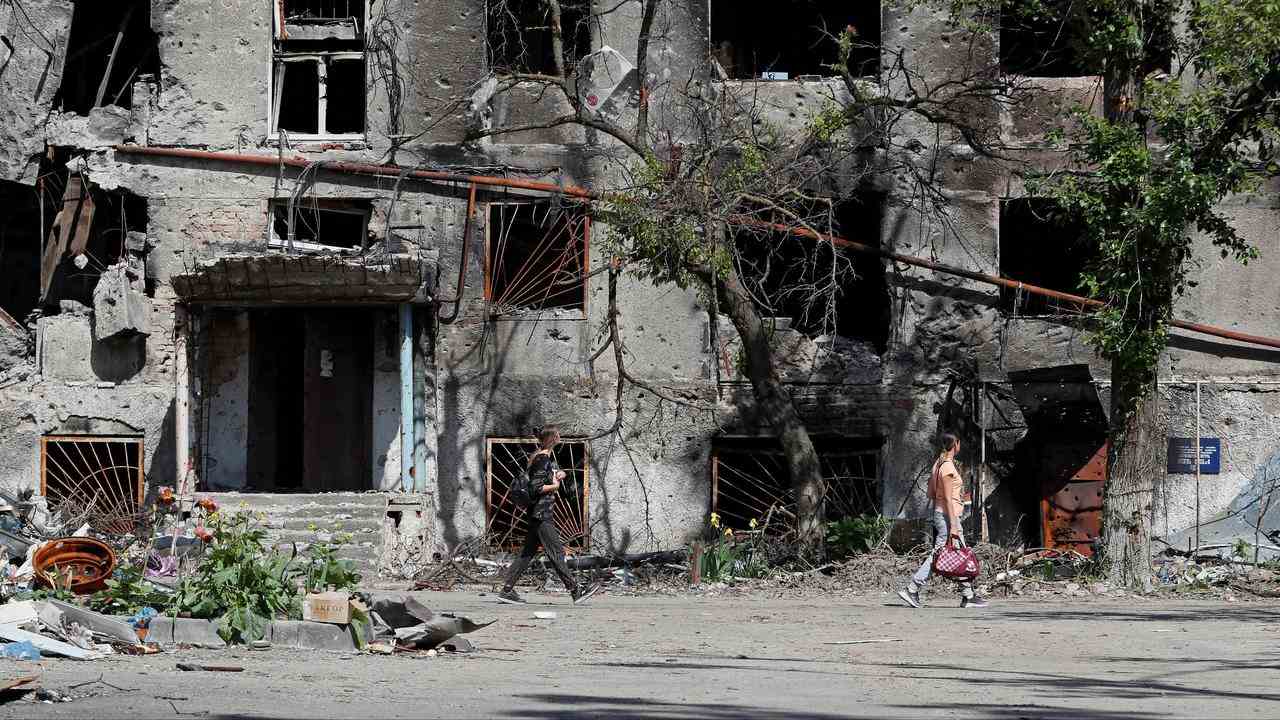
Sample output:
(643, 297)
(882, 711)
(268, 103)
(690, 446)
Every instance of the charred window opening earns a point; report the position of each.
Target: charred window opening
(505, 459)
(750, 480)
(321, 224)
(787, 40)
(319, 78)
(90, 231)
(818, 289)
(519, 35)
(1050, 38)
(111, 46)
(536, 257)
(93, 479)
(1040, 245)
(21, 236)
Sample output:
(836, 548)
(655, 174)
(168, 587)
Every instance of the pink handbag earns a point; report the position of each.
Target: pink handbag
(957, 563)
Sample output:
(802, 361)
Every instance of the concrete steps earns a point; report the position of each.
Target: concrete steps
(302, 518)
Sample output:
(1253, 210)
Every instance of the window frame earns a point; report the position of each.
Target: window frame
(276, 242)
(521, 313)
(281, 54)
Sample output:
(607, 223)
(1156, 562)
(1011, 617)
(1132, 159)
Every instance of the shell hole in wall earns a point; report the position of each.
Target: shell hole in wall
(111, 46)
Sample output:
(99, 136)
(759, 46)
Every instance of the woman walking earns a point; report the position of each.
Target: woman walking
(541, 527)
(946, 495)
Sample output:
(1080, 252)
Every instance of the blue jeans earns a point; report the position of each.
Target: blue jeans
(941, 531)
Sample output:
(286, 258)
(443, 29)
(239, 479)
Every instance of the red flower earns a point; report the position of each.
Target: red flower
(208, 505)
(204, 534)
(165, 496)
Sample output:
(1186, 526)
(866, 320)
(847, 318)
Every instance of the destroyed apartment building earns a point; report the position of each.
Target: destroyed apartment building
(254, 247)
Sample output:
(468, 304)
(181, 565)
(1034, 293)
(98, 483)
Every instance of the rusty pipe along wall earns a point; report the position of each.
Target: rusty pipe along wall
(582, 193)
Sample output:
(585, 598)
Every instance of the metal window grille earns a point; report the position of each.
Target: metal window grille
(93, 479)
(536, 257)
(505, 459)
(751, 485)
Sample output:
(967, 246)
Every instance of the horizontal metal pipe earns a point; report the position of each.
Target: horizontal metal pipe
(997, 280)
(584, 194)
(351, 168)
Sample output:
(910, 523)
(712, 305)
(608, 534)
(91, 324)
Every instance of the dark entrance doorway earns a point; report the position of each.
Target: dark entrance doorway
(310, 400)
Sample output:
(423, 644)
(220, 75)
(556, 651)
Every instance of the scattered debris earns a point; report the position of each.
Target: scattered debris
(79, 564)
(860, 642)
(192, 667)
(20, 650)
(544, 615)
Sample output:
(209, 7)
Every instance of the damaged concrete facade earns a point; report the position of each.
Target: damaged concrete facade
(285, 332)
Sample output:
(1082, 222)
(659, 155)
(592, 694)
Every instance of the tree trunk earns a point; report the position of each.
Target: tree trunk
(1137, 456)
(776, 407)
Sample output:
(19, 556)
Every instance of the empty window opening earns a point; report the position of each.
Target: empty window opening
(319, 87)
(111, 46)
(320, 94)
(505, 459)
(788, 40)
(321, 224)
(1050, 38)
(520, 35)
(536, 257)
(21, 236)
(750, 481)
(93, 479)
(88, 232)
(822, 291)
(1040, 245)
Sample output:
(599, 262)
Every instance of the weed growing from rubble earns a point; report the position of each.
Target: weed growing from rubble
(322, 569)
(851, 536)
(241, 581)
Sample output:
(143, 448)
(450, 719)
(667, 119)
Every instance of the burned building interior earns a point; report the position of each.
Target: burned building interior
(273, 253)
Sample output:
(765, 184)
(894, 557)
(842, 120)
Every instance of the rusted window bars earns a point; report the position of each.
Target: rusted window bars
(754, 484)
(93, 479)
(536, 257)
(505, 459)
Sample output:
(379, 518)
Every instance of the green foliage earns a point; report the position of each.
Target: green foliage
(128, 592)
(322, 569)
(854, 535)
(240, 581)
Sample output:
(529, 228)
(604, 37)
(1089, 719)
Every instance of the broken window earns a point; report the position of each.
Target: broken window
(91, 230)
(111, 46)
(750, 480)
(536, 257)
(520, 35)
(20, 240)
(319, 78)
(321, 224)
(797, 38)
(1051, 38)
(1040, 245)
(819, 290)
(505, 460)
(93, 479)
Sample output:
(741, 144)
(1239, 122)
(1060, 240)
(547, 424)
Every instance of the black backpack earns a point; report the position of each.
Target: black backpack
(525, 488)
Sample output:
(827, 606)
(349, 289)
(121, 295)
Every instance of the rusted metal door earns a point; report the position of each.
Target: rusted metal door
(337, 399)
(1071, 507)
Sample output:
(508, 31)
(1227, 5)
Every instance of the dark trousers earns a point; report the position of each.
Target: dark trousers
(541, 532)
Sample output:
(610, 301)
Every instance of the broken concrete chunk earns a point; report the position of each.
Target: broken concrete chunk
(120, 311)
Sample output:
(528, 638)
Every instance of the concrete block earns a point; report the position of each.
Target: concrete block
(160, 630)
(311, 635)
(197, 632)
(119, 309)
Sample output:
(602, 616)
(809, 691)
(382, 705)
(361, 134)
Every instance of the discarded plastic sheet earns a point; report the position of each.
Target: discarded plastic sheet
(116, 630)
(21, 650)
(542, 615)
(430, 634)
(47, 645)
(398, 610)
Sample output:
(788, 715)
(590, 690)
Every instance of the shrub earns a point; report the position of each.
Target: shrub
(854, 535)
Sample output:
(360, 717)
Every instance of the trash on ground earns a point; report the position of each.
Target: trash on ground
(544, 615)
(333, 608)
(193, 667)
(861, 642)
(430, 634)
(20, 650)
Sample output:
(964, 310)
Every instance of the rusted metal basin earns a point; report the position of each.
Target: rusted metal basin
(79, 564)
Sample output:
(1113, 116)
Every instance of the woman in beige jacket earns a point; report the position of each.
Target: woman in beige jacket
(946, 495)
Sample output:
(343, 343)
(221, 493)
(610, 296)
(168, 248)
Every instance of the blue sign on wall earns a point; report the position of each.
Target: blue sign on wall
(1182, 456)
